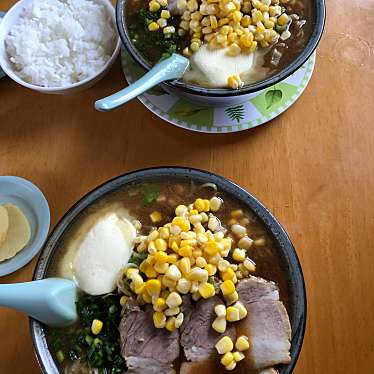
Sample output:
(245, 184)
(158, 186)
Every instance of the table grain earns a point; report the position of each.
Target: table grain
(313, 167)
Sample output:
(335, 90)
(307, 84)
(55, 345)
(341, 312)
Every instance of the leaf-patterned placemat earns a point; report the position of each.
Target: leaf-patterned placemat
(256, 109)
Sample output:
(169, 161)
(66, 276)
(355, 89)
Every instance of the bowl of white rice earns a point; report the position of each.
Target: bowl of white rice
(58, 46)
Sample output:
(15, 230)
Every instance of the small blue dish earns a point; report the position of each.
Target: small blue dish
(31, 201)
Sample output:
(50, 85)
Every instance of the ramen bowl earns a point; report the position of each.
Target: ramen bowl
(296, 300)
(227, 96)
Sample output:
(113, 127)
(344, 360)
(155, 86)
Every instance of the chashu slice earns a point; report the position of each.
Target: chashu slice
(147, 350)
(198, 337)
(267, 323)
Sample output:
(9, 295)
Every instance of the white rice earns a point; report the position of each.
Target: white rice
(59, 42)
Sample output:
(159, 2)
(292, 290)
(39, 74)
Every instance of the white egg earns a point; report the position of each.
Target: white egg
(105, 249)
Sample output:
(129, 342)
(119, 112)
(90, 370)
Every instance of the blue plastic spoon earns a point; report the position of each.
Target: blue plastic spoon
(51, 301)
(171, 68)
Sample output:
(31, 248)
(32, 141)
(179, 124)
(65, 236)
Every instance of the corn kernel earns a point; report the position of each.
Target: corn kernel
(283, 19)
(196, 15)
(182, 4)
(234, 82)
(153, 287)
(173, 273)
(249, 265)
(185, 251)
(192, 5)
(207, 290)
(139, 289)
(182, 223)
(242, 343)
(227, 287)
(234, 50)
(154, 6)
(197, 253)
(231, 366)
(159, 304)
(173, 300)
(224, 345)
(214, 260)
(238, 356)
(169, 30)
(96, 326)
(171, 324)
(173, 258)
(211, 269)
(227, 358)
(156, 216)
(165, 14)
(232, 314)
(167, 282)
(161, 267)
(200, 262)
(179, 320)
(174, 246)
(162, 22)
(237, 16)
(220, 310)
(239, 254)
(219, 324)
(253, 46)
(159, 320)
(185, 265)
(232, 37)
(147, 298)
(183, 286)
(123, 300)
(245, 242)
(242, 309)
(161, 257)
(230, 275)
(137, 280)
(198, 275)
(131, 272)
(199, 205)
(212, 248)
(172, 311)
(231, 298)
(246, 21)
(229, 7)
(223, 265)
(153, 26)
(223, 21)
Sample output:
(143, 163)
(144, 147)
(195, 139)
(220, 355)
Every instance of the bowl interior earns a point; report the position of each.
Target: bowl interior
(297, 291)
(31, 201)
(11, 18)
(317, 26)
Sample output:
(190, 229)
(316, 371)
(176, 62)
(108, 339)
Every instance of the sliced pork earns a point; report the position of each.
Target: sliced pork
(198, 337)
(267, 323)
(147, 350)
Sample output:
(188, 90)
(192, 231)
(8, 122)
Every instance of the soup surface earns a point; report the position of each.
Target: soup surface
(250, 45)
(77, 349)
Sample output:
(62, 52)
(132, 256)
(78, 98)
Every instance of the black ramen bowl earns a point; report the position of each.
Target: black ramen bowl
(297, 297)
(195, 92)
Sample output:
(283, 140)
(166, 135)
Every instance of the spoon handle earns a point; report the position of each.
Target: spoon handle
(51, 301)
(170, 68)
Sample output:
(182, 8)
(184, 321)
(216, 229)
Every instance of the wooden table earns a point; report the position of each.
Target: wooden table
(312, 166)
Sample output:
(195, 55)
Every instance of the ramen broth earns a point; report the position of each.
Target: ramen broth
(137, 202)
(264, 63)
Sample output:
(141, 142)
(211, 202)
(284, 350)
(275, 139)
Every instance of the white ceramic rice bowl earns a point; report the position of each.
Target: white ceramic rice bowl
(11, 18)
